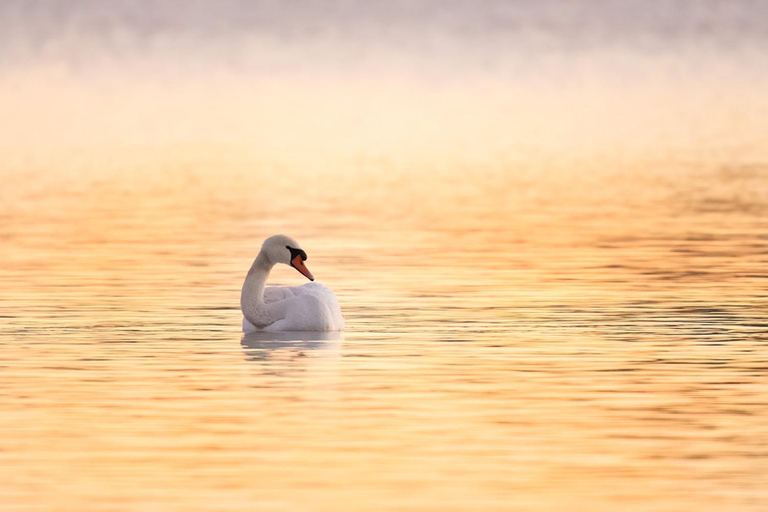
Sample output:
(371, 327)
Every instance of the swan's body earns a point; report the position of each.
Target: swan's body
(311, 307)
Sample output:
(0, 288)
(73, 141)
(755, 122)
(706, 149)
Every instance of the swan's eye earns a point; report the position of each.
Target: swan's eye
(297, 252)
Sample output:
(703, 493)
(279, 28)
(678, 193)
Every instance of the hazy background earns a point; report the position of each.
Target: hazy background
(423, 81)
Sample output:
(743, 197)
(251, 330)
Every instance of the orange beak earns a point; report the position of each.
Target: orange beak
(299, 265)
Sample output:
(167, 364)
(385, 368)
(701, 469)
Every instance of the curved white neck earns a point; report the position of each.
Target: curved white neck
(256, 279)
(252, 295)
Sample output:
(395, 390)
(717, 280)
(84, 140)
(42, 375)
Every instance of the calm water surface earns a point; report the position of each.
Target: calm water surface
(512, 343)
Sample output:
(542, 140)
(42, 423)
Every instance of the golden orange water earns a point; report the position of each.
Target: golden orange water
(555, 293)
(517, 338)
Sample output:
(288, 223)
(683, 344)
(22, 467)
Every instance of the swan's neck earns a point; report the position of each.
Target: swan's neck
(256, 280)
(252, 296)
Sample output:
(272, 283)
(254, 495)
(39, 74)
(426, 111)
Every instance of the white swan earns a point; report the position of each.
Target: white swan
(311, 307)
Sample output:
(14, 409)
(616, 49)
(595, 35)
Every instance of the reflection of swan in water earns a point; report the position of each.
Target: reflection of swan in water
(261, 345)
(311, 307)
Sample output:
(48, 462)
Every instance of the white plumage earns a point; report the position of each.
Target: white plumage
(311, 307)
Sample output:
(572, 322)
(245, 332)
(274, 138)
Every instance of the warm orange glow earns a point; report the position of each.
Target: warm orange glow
(551, 259)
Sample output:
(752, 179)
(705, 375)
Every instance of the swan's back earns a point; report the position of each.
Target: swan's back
(310, 307)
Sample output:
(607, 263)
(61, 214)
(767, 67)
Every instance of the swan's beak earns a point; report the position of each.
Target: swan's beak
(299, 265)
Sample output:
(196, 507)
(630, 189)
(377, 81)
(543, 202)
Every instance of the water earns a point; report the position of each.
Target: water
(526, 355)
(554, 292)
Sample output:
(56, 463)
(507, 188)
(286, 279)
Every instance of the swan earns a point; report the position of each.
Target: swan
(311, 307)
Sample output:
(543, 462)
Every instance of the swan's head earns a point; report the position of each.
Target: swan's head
(284, 249)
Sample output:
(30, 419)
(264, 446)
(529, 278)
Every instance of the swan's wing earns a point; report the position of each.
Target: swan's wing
(332, 319)
(278, 293)
(327, 297)
(317, 289)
